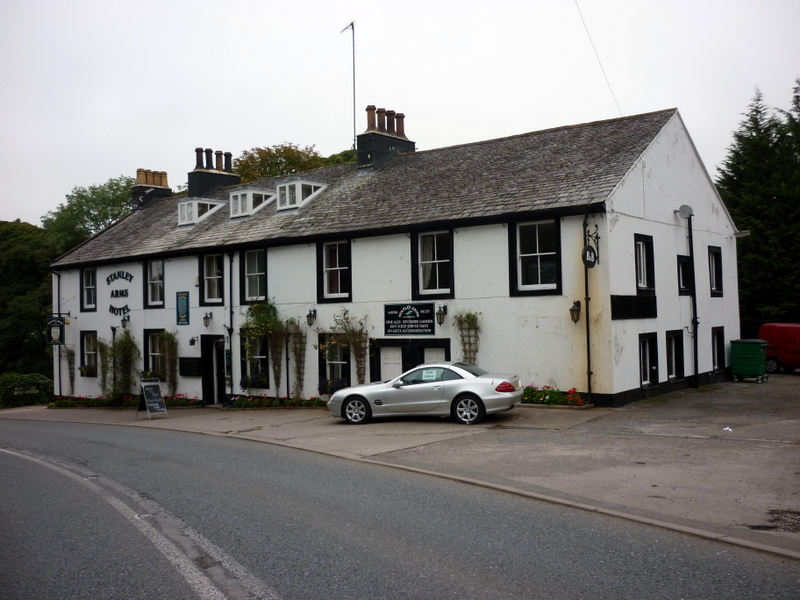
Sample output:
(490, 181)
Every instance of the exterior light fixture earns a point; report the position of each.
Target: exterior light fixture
(311, 316)
(440, 314)
(575, 311)
(192, 341)
(207, 319)
(125, 321)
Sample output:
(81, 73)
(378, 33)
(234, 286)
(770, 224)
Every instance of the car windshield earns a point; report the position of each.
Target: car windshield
(477, 371)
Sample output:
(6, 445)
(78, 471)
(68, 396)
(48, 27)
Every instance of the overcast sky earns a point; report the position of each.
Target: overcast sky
(94, 89)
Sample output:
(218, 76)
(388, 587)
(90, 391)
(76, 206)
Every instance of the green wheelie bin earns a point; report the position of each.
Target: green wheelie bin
(749, 360)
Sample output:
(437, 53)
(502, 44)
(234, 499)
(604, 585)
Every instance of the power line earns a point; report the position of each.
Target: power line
(608, 83)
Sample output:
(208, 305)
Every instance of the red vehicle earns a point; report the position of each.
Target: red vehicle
(783, 351)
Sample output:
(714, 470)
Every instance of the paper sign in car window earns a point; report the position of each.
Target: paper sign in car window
(429, 375)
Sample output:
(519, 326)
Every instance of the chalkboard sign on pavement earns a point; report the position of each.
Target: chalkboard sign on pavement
(151, 399)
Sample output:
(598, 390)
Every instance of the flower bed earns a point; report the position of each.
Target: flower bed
(126, 401)
(551, 396)
(268, 402)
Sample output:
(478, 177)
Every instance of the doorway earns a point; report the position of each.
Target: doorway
(212, 364)
(392, 357)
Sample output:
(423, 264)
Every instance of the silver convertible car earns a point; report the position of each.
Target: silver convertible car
(465, 392)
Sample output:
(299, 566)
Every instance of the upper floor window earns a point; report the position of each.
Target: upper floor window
(334, 271)
(715, 270)
(645, 264)
(244, 203)
(685, 275)
(434, 258)
(192, 211)
(296, 193)
(535, 249)
(255, 275)
(155, 283)
(88, 289)
(212, 278)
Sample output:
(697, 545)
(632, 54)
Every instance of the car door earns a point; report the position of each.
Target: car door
(418, 391)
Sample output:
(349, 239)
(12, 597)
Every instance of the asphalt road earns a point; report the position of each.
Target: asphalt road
(111, 512)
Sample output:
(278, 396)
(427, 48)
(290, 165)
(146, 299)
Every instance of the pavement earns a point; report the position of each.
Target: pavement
(720, 462)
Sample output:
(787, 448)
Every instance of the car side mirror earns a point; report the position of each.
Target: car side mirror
(397, 384)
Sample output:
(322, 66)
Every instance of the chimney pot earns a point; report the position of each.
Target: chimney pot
(371, 118)
(148, 177)
(382, 119)
(199, 162)
(163, 178)
(228, 162)
(401, 128)
(218, 155)
(139, 176)
(390, 122)
(209, 159)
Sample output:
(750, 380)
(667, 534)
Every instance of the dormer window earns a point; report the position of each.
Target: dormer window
(193, 211)
(245, 203)
(296, 193)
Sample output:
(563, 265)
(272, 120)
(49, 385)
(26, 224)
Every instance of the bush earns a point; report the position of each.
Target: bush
(24, 390)
(551, 396)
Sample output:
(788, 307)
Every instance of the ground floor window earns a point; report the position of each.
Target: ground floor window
(88, 367)
(334, 366)
(255, 363)
(675, 354)
(648, 359)
(718, 348)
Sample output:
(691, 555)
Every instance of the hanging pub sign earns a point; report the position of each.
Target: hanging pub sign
(55, 331)
(151, 399)
(408, 319)
(182, 308)
(589, 256)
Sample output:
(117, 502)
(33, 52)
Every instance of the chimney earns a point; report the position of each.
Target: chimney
(149, 185)
(382, 141)
(211, 174)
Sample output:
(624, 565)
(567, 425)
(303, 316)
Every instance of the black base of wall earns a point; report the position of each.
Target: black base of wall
(665, 387)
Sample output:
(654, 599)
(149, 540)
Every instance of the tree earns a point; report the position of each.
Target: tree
(759, 182)
(25, 298)
(282, 159)
(87, 212)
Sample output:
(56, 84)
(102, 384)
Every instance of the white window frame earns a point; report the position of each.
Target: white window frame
(433, 262)
(247, 202)
(257, 362)
(296, 193)
(155, 354)
(715, 270)
(89, 347)
(89, 288)
(538, 255)
(259, 276)
(337, 270)
(155, 283)
(194, 211)
(213, 281)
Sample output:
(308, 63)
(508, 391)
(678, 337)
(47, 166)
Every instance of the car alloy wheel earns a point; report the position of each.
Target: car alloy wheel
(356, 411)
(468, 410)
(772, 365)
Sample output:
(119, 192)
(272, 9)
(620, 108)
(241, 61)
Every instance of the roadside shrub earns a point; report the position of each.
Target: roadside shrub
(551, 396)
(24, 390)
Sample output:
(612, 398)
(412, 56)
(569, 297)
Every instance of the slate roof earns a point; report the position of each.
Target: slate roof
(566, 170)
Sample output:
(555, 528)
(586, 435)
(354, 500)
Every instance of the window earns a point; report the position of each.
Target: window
(193, 211)
(211, 266)
(334, 366)
(715, 270)
(675, 354)
(718, 348)
(255, 364)
(154, 353)
(88, 290)
(645, 265)
(254, 277)
(535, 251)
(154, 292)
(685, 276)
(292, 195)
(88, 366)
(435, 262)
(334, 277)
(648, 359)
(247, 202)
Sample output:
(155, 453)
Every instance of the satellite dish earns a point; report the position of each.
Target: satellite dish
(685, 211)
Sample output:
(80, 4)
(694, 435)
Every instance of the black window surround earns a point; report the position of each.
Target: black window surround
(326, 360)
(153, 286)
(514, 260)
(334, 272)
(211, 269)
(675, 354)
(648, 360)
(88, 290)
(715, 270)
(88, 356)
(246, 277)
(685, 275)
(147, 350)
(255, 371)
(718, 349)
(645, 265)
(441, 270)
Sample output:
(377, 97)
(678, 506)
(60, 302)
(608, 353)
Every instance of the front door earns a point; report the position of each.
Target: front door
(391, 362)
(212, 362)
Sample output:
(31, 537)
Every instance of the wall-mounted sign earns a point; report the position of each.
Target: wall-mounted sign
(182, 308)
(408, 319)
(119, 293)
(55, 331)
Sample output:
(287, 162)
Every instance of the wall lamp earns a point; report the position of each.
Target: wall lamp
(440, 314)
(207, 319)
(193, 341)
(575, 311)
(311, 316)
(125, 321)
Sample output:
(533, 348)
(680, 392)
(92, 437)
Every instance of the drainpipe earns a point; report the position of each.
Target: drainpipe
(58, 308)
(230, 315)
(686, 212)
